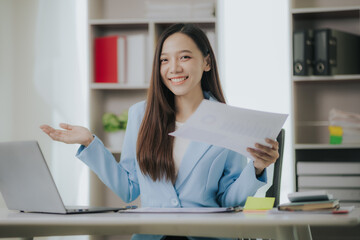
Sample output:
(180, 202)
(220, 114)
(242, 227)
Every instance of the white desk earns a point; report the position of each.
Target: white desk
(274, 226)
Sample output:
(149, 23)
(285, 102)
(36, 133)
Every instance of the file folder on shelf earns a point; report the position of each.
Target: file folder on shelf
(105, 59)
(303, 52)
(336, 52)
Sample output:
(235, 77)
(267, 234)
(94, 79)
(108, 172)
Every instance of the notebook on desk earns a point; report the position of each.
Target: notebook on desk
(26, 183)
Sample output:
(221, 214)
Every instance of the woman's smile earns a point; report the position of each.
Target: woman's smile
(178, 80)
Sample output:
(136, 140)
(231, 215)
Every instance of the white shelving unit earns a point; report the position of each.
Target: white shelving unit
(350, 77)
(111, 17)
(315, 96)
(326, 146)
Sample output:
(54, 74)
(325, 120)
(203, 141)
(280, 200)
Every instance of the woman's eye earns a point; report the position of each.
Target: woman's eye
(185, 57)
(163, 60)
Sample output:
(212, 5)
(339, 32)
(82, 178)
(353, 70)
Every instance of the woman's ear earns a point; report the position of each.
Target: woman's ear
(207, 61)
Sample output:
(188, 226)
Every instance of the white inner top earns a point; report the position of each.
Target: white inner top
(180, 146)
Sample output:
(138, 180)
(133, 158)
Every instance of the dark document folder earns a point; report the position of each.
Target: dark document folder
(336, 52)
(303, 52)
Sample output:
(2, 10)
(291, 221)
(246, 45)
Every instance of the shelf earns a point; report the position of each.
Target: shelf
(314, 96)
(189, 20)
(312, 123)
(326, 146)
(117, 86)
(118, 21)
(329, 11)
(350, 77)
(138, 21)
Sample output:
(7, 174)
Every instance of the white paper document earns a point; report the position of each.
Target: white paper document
(231, 127)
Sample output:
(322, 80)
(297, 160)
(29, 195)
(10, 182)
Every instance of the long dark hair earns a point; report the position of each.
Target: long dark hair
(154, 146)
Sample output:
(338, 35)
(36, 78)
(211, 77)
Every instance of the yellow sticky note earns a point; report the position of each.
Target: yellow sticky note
(335, 131)
(259, 203)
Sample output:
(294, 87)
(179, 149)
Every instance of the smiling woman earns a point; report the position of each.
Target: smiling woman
(165, 170)
(185, 60)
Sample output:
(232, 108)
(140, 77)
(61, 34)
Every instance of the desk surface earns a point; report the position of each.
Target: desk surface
(281, 226)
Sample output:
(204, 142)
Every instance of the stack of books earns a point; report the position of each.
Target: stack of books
(310, 201)
(340, 178)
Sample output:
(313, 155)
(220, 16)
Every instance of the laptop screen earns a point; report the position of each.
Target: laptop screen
(26, 183)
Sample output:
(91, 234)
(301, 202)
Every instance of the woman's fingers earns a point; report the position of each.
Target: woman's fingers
(55, 134)
(259, 163)
(66, 126)
(264, 155)
(47, 129)
(59, 135)
(272, 152)
(260, 155)
(275, 144)
(71, 134)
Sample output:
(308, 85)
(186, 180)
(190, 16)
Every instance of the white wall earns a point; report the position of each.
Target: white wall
(23, 107)
(5, 73)
(29, 111)
(255, 62)
(60, 80)
(22, 111)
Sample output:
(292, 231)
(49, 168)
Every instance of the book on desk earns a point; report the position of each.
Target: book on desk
(310, 201)
(331, 204)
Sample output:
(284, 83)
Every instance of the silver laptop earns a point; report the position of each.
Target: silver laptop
(26, 183)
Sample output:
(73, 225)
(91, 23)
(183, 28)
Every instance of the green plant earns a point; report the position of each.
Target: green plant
(113, 122)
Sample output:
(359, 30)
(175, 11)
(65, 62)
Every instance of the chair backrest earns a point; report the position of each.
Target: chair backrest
(274, 190)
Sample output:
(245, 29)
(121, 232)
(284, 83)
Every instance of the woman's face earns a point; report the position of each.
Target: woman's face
(182, 65)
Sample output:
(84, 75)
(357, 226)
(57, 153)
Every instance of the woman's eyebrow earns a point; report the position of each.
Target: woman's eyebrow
(185, 51)
(181, 51)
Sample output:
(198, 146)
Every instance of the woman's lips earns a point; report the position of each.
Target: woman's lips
(178, 80)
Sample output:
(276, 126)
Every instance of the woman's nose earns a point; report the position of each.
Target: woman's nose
(175, 67)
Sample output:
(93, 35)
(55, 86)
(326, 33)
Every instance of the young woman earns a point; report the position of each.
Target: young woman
(166, 171)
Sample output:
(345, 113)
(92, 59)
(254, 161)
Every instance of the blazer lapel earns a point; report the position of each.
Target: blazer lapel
(193, 154)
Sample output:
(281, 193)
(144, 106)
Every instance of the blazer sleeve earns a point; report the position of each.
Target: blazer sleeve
(239, 181)
(121, 177)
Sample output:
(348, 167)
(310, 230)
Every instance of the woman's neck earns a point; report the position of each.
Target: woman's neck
(186, 106)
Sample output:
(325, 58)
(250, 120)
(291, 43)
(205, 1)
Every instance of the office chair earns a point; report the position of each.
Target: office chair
(274, 190)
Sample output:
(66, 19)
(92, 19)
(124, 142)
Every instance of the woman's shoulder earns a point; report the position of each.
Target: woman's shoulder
(137, 110)
(138, 107)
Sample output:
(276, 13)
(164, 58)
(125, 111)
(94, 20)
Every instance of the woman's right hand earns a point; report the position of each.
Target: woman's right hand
(71, 134)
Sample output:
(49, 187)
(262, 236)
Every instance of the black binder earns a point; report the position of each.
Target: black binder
(336, 52)
(303, 52)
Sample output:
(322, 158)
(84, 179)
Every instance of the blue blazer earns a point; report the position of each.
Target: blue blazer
(208, 176)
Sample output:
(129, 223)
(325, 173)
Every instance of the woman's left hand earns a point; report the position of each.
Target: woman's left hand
(263, 155)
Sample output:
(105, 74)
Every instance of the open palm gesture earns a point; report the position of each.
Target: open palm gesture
(71, 134)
